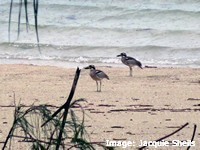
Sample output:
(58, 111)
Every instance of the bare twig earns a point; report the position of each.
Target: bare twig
(67, 106)
(160, 139)
(194, 131)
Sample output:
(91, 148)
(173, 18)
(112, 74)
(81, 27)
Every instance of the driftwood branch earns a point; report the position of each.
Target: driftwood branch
(66, 107)
(194, 131)
(160, 139)
(68, 99)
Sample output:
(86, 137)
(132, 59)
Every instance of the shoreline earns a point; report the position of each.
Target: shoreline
(151, 104)
(67, 64)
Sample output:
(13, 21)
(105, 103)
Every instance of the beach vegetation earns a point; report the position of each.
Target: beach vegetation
(41, 129)
(35, 4)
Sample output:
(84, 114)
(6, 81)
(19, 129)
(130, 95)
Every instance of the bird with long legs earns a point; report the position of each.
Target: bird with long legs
(130, 62)
(97, 75)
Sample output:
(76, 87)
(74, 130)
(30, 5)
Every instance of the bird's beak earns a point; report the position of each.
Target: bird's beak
(119, 55)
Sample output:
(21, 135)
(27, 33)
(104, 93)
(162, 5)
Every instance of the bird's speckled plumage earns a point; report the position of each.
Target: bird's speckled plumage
(129, 61)
(97, 75)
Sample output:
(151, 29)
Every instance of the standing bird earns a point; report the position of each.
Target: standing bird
(96, 75)
(129, 61)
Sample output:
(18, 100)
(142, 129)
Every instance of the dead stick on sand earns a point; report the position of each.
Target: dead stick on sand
(194, 131)
(65, 107)
(167, 135)
(69, 98)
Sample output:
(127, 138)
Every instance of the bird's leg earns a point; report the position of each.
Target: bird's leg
(131, 70)
(97, 85)
(100, 86)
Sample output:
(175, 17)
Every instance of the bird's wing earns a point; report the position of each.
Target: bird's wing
(130, 60)
(100, 74)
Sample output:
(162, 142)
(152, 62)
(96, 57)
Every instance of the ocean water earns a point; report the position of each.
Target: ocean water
(74, 32)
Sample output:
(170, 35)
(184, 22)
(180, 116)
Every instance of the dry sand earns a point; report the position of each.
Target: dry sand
(149, 105)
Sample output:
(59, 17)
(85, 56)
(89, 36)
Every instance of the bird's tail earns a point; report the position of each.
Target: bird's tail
(139, 64)
(107, 77)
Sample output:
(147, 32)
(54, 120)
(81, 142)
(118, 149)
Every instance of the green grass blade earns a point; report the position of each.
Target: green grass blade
(26, 13)
(19, 18)
(10, 15)
(35, 8)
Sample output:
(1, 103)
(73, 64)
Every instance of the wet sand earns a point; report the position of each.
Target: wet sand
(149, 105)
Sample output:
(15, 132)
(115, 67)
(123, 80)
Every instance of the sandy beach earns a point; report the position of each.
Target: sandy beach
(149, 105)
